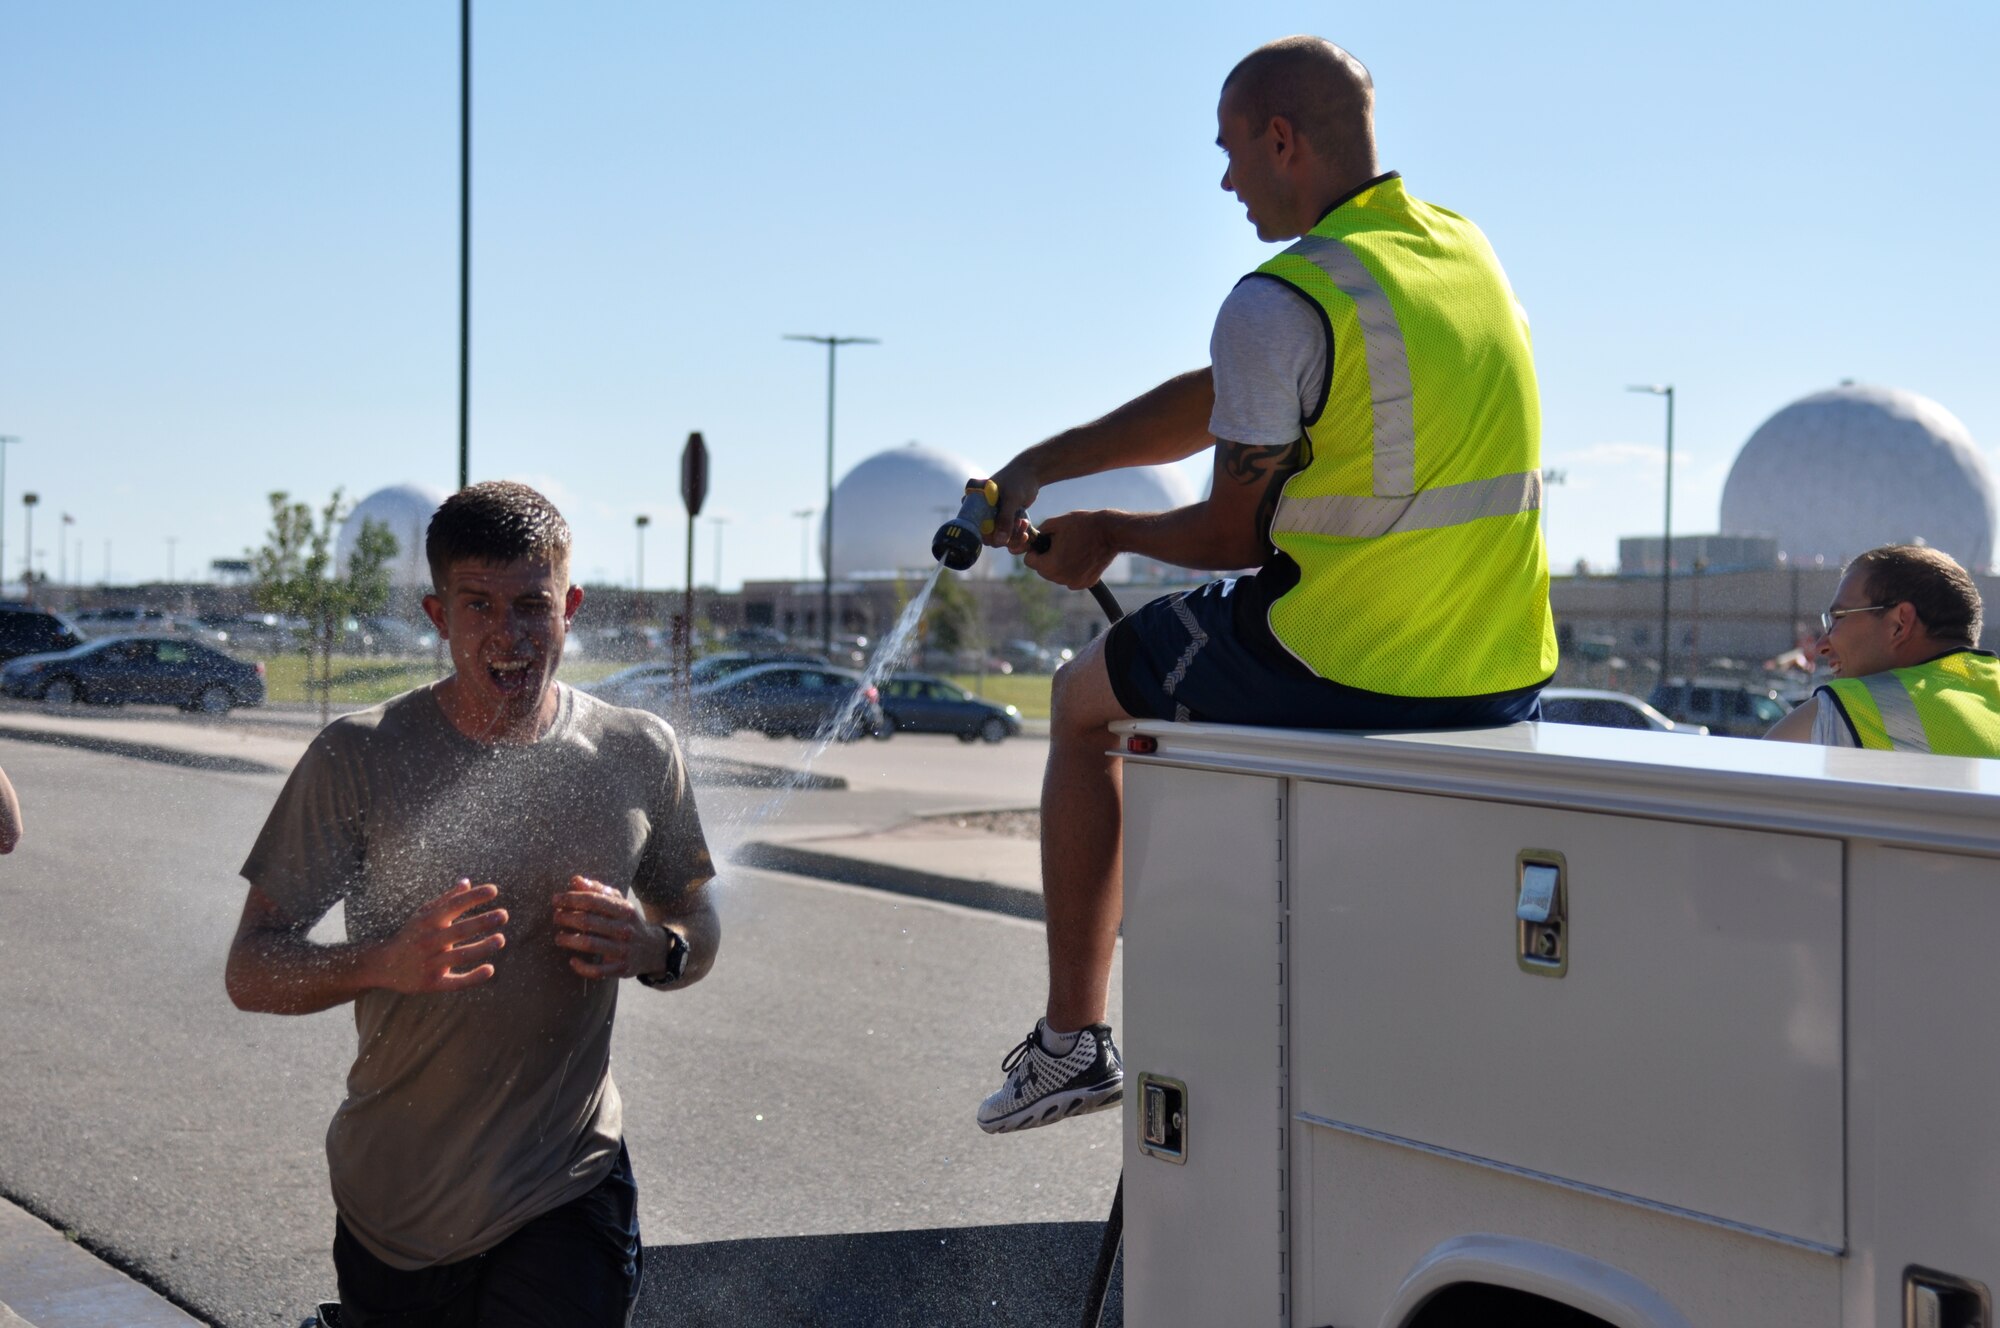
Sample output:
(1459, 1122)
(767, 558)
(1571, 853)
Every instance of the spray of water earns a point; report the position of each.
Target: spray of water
(890, 652)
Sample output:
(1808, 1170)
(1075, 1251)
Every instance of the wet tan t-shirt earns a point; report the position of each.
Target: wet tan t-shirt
(470, 1113)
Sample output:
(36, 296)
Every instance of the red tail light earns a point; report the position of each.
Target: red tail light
(1139, 744)
(260, 668)
(873, 695)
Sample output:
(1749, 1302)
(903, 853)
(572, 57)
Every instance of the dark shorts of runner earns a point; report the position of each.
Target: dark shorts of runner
(1197, 656)
(577, 1266)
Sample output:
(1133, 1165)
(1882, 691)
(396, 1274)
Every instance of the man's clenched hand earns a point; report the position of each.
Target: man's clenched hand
(612, 937)
(432, 950)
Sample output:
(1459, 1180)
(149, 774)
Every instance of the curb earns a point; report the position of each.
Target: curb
(60, 1283)
(990, 896)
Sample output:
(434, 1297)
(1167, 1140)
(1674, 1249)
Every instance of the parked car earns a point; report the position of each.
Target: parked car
(125, 618)
(1729, 708)
(796, 700)
(642, 685)
(1608, 710)
(920, 703)
(156, 670)
(30, 631)
(1031, 657)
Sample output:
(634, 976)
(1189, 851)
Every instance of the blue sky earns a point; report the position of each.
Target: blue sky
(228, 240)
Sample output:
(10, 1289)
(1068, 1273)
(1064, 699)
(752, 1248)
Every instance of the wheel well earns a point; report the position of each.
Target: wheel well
(1464, 1304)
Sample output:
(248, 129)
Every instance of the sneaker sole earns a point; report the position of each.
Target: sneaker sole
(1058, 1107)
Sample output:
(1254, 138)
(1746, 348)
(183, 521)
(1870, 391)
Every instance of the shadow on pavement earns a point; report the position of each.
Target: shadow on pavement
(145, 751)
(1022, 1274)
(991, 896)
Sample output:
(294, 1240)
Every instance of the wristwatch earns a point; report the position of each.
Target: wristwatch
(677, 963)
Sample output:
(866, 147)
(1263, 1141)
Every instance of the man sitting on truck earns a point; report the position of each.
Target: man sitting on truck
(1901, 639)
(1371, 401)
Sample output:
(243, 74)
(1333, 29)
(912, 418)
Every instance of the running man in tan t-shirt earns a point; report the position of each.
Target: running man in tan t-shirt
(504, 848)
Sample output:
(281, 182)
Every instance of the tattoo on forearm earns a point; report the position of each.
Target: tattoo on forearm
(1268, 466)
(1248, 465)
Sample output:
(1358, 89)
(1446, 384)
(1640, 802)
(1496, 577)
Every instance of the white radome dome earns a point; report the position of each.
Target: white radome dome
(406, 510)
(887, 509)
(1843, 471)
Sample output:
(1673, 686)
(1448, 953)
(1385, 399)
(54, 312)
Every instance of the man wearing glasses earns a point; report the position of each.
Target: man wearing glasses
(1901, 639)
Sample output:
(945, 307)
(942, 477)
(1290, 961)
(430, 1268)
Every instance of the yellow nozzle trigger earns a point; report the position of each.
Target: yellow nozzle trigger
(991, 492)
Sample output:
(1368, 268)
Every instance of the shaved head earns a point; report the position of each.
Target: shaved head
(1323, 92)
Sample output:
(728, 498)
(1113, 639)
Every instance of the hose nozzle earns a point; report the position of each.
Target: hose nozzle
(959, 540)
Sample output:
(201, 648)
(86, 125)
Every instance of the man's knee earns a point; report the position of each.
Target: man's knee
(1081, 696)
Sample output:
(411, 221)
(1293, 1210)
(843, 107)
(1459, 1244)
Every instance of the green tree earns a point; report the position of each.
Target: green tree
(1041, 615)
(952, 618)
(295, 574)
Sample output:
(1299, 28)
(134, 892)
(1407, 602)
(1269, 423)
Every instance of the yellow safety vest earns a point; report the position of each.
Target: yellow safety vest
(1413, 519)
(1950, 706)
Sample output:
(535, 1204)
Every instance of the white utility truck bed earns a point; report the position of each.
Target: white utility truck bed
(1467, 1027)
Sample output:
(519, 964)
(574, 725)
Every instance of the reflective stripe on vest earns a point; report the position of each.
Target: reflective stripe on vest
(1432, 509)
(1396, 504)
(1389, 393)
(1901, 725)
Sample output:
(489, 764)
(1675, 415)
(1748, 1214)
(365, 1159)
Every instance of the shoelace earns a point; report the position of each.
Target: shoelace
(1013, 1058)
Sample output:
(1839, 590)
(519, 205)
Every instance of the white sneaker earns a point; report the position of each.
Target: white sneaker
(1042, 1087)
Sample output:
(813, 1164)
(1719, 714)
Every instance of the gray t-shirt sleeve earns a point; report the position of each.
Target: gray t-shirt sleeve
(308, 856)
(675, 860)
(1830, 726)
(1269, 350)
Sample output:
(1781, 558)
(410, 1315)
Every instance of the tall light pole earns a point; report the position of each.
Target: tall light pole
(805, 516)
(1551, 477)
(464, 243)
(639, 524)
(6, 440)
(718, 522)
(28, 501)
(1666, 528)
(171, 541)
(832, 344)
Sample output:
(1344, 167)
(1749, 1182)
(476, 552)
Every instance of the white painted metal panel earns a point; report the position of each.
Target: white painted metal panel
(1924, 1078)
(1691, 1057)
(1205, 1241)
(1378, 1210)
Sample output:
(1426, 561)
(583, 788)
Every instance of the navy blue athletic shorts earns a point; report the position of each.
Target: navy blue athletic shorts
(1207, 655)
(577, 1266)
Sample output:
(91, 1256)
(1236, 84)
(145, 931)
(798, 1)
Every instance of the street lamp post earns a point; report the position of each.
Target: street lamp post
(1551, 477)
(832, 345)
(640, 523)
(1666, 528)
(6, 440)
(464, 243)
(171, 541)
(805, 516)
(718, 522)
(28, 501)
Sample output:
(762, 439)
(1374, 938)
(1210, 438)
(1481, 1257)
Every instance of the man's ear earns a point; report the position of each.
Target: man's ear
(572, 601)
(1907, 625)
(434, 610)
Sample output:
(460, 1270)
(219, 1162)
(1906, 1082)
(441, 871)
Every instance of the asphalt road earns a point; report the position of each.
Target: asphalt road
(821, 1081)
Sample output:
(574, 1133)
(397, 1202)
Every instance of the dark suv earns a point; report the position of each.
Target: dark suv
(1730, 709)
(30, 631)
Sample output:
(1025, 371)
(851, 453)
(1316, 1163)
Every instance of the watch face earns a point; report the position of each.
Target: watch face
(677, 956)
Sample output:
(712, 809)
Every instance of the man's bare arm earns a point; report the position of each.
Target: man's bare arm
(1231, 528)
(10, 815)
(1165, 424)
(275, 969)
(1797, 726)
